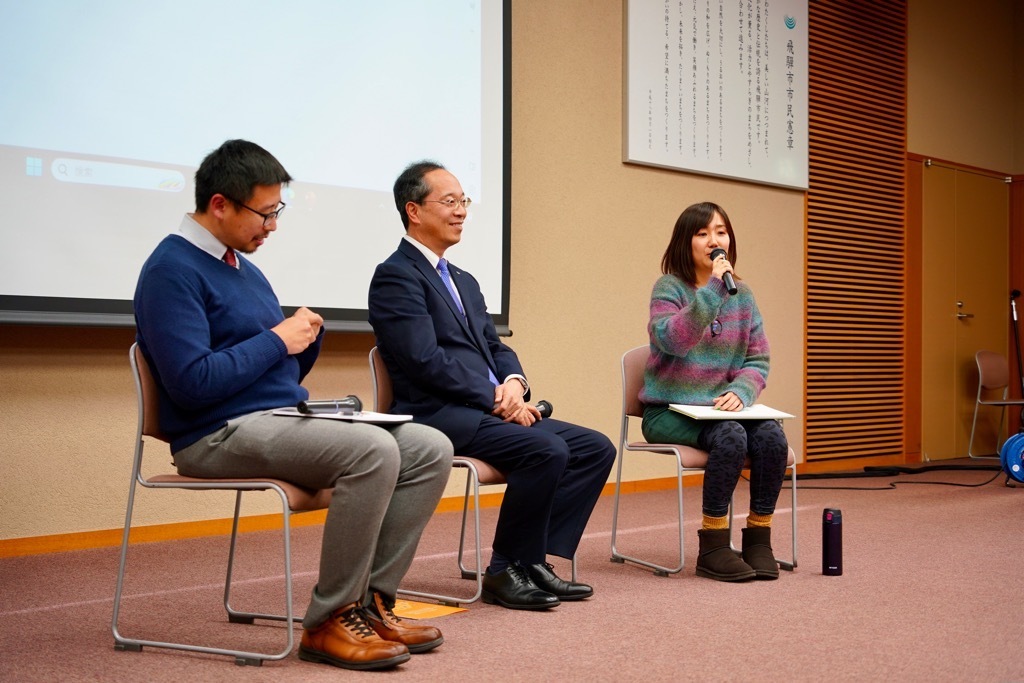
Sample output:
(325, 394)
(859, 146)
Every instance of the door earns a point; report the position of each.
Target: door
(938, 294)
(982, 286)
(965, 301)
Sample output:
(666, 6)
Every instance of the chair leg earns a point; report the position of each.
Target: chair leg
(242, 657)
(240, 617)
(472, 488)
(121, 643)
(233, 616)
(463, 570)
(476, 573)
(619, 557)
(974, 423)
(732, 504)
(791, 565)
(615, 507)
(970, 441)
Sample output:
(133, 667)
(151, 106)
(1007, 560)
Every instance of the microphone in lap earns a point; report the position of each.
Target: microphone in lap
(346, 406)
(544, 408)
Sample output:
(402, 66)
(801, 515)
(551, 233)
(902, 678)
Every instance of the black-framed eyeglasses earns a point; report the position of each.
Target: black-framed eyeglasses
(267, 217)
(452, 202)
(716, 328)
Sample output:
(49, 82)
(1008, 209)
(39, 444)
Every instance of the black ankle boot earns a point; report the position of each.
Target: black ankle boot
(757, 552)
(717, 560)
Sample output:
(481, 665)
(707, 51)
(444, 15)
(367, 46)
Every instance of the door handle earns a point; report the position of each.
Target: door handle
(961, 316)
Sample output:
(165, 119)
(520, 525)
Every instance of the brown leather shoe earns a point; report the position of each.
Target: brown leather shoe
(346, 640)
(390, 626)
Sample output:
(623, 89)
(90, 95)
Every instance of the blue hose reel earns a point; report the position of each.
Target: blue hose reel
(1011, 455)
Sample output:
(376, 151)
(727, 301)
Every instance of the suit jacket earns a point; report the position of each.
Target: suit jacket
(437, 358)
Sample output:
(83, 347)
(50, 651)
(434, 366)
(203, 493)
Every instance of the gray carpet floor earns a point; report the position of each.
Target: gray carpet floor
(930, 591)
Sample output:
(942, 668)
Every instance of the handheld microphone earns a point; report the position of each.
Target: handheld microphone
(346, 406)
(544, 408)
(727, 278)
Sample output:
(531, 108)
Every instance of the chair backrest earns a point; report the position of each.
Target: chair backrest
(993, 370)
(149, 395)
(299, 498)
(633, 363)
(382, 393)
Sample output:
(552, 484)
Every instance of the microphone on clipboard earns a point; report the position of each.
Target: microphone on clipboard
(346, 406)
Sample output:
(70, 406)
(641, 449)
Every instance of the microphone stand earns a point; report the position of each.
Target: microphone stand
(1016, 340)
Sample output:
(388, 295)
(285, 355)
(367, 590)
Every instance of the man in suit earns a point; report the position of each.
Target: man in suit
(451, 371)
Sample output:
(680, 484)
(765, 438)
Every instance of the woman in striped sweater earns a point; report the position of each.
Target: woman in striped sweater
(709, 348)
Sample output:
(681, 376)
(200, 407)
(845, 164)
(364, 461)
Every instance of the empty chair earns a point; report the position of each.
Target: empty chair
(993, 376)
(687, 458)
(293, 499)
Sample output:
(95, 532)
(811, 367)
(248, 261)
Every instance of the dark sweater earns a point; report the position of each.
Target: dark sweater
(204, 327)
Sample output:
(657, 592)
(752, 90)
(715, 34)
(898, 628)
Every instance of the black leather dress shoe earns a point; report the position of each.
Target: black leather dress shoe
(514, 589)
(544, 576)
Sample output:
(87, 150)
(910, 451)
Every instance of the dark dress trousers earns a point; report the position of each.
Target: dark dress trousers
(438, 361)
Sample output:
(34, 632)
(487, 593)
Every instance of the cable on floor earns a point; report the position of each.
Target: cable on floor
(874, 471)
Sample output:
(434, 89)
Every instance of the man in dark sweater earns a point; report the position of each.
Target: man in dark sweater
(224, 356)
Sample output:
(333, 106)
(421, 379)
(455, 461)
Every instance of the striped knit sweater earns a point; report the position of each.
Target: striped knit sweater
(687, 363)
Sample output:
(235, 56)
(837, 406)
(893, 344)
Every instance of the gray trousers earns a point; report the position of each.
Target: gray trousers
(387, 482)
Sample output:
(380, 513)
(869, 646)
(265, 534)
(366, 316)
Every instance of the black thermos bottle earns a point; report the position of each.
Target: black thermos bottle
(832, 542)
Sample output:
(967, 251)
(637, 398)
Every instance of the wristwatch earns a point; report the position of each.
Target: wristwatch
(522, 380)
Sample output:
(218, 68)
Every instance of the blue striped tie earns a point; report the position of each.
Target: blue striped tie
(446, 278)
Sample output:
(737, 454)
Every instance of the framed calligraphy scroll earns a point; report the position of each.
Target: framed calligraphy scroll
(718, 87)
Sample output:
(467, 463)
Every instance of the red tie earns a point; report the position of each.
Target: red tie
(229, 258)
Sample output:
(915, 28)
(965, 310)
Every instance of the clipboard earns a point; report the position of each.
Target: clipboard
(362, 416)
(758, 411)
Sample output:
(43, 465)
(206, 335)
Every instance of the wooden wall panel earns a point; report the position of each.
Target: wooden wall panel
(856, 297)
